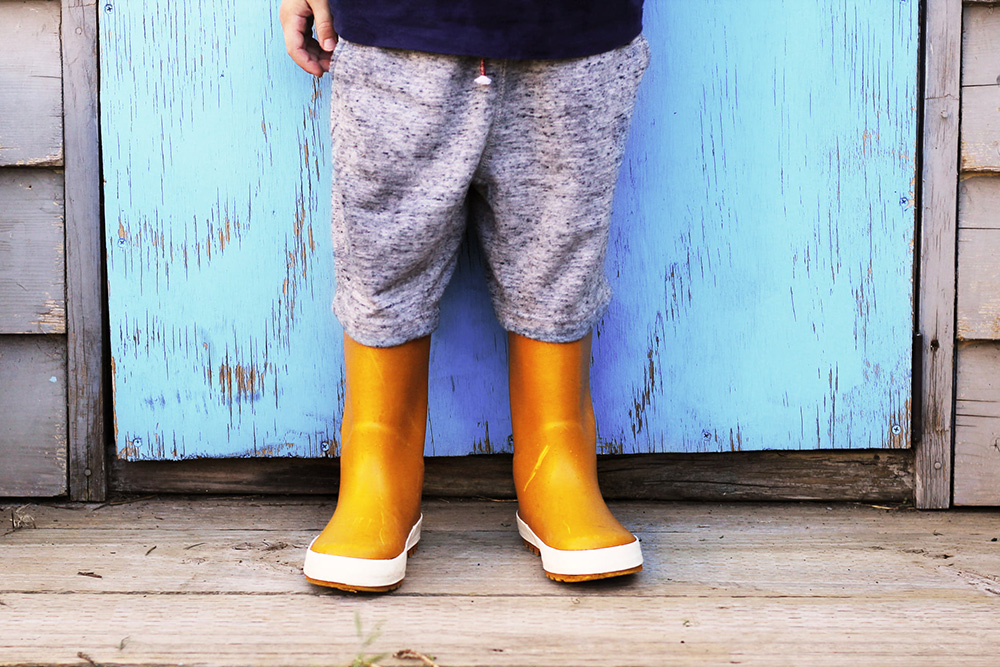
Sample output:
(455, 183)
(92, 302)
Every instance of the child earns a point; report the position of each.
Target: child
(511, 116)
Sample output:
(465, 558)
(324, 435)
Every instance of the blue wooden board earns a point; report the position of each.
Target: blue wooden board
(762, 251)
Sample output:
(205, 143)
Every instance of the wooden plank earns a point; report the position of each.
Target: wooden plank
(84, 264)
(33, 405)
(980, 89)
(855, 550)
(32, 252)
(939, 232)
(978, 284)
(466, 631)
(186, 513)
(978, 247)
(216, 582)
(978, 199)
(223, 558)
(980, 45)
(30, 73)
(977, 425)
(879, 476)
(981, 129)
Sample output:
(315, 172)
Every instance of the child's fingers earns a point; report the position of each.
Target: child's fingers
(319, 59)
(323, 24)
(298, 40)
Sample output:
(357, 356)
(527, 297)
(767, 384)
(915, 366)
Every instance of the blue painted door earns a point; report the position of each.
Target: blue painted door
(762, 251)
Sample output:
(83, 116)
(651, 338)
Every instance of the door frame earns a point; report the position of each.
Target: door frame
(922, 473)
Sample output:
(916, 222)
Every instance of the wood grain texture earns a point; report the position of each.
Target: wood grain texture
(222, 547)
(30, 78)
(762, 255)
(981, 129)
(980, 48)
(33, 410)
(217, 582)
(32, 252)
(978, 249)
(980, 89)
(84, 262)
(881, 476)
(977, 425)
(938, 240)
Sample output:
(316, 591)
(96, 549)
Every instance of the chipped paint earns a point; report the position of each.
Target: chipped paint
(770, 185)
(761, 251)
(221, 329)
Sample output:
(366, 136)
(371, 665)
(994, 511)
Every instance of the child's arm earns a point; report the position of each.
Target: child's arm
(298, 19)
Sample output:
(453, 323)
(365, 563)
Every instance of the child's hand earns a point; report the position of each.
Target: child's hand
(298, 18)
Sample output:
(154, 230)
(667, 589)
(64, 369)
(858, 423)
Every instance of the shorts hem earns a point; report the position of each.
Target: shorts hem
(387, 335)
(547, 332)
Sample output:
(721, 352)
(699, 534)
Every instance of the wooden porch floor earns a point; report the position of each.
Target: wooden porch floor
(216, 581)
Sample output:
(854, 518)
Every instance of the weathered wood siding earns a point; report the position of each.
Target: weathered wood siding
(31, 81)
(942, 65)
(762, 254)
(977, 418)
(32, 275)
(33, 409)
(33, 406)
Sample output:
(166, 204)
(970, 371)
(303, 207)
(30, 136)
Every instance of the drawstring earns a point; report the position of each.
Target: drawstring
(482, 79)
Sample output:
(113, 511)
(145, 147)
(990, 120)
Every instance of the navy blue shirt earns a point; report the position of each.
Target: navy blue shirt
(518, 29)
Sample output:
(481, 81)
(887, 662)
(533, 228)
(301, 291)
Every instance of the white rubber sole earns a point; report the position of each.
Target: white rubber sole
(584, 564)
(360, 574)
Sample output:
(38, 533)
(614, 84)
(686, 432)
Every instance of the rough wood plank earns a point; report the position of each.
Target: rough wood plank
(184, 513)
(978, 284)
(981, 129)
(977, 425)
(199, 546)
(882, 476)
(770, 584)
(84, 264)
(32, 252)
(493, 562)
(460, 631)
(978, 202)
(980, 46)
(30, 73)
(978, 249)
(33, 409)
(939, 212)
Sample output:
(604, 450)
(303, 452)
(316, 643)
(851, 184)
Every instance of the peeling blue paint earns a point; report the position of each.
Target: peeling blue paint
(762, 253)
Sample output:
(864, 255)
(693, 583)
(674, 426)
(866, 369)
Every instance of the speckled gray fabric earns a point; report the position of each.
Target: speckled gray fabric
(420, 150)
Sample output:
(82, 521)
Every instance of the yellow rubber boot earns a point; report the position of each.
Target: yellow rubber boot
(377, 519)
(561, 513)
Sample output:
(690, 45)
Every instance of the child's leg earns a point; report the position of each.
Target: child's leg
(408, 130)
(549, 177)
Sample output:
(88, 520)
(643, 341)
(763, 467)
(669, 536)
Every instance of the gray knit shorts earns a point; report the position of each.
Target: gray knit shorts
(421, 150)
